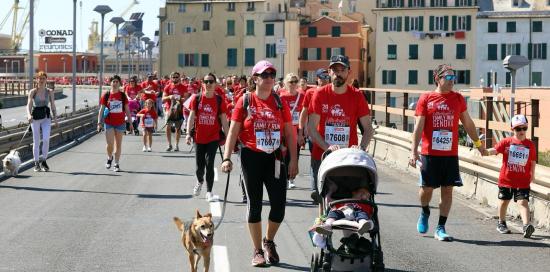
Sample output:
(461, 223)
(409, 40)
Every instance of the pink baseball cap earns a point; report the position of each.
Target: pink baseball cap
(261, 66)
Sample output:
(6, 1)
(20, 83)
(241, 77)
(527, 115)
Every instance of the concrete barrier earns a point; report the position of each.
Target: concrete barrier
(21, 100)
(479, 174)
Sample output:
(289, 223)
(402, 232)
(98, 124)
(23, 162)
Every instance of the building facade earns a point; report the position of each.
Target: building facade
(513, 27)
(226, 37)
(415, 36)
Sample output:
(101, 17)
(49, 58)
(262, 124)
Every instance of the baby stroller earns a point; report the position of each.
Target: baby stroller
(342, 172)
(134, 107)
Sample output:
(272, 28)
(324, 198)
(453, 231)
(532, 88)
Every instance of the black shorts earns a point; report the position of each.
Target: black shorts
(437, 171)
(505, 193)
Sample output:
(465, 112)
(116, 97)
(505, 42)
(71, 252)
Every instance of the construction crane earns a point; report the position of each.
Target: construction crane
(13, 10)
(112, 26)
(17, 31)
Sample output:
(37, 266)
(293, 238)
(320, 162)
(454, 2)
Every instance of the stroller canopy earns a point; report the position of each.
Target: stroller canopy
(348, 169)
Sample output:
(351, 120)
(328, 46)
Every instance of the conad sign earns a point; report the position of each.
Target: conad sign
(55, 40)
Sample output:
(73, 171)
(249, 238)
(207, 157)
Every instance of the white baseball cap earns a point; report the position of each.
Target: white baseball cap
(519, 120)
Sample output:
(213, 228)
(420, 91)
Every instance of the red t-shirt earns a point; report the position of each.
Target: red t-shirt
(148, 120)
(307, 98)
(207, 121)
(262, 130)
(116, 108)
(339, 114)
(517, 159)
(154, 87)
(132, 92)
(295, 102)
(442, 112)
(175, 90)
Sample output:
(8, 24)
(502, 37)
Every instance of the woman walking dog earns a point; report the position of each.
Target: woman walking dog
(113, 107)
(260, 120)
(40, 116)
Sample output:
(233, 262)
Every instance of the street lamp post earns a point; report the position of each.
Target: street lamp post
(117, 21)
(513, 63)
(138, 35)
(6, 65)
(151, 45)
(46, 64)
(145, 40)
(73, 80)
(101, 9)
(129, 31)
(84, 61)
(63, 60)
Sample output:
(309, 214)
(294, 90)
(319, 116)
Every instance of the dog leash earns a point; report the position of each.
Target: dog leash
(225, 195)
(24, 134)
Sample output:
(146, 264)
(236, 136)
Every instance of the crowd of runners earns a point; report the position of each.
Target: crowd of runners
(268, 123)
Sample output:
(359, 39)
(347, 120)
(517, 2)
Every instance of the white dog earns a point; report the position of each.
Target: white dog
(12, 162)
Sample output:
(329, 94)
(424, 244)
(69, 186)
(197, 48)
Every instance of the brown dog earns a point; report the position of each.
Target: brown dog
(197, 238)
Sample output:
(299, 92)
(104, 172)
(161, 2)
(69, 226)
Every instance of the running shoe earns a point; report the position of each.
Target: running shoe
(291, 184)
(177, 148)
(116, 167)
(44, 166)
(169, 148)
(144, 149)
(422, 225)
(197, 188)
(109, 162)
(258, 259)
(149, 149)
(528, 230)
(270, 251)
(37, 167)
(441, 235)
(502, 228)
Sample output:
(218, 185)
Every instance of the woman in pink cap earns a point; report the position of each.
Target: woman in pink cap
(261, 122)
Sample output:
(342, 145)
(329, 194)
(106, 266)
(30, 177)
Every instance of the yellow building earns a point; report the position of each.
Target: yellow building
(227, 37)
(413, 37)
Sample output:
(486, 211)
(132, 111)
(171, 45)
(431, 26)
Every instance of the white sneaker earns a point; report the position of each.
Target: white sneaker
(144, 149)
(291, 184)
(149, 149)
(210, 197)
(197, 189)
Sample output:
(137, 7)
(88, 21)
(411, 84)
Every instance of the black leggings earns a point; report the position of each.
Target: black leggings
(258, 169)
(205, 156)
(287, 156)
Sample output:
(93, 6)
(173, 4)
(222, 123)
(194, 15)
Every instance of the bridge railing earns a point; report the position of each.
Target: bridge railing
(19, 86)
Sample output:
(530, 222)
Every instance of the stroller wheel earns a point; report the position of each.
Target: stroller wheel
(317, 261)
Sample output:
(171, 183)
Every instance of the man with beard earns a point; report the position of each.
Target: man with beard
(333, 114)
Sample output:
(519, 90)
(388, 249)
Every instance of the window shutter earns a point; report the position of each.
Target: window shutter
(446, 23)
(431, 3)
(544, 51)
(456, 3)
(385, 24)
(410, 3)
(421, 23)
(399, 22)
(402, 3)
(407, 23)
(384, 77)
(181, 60)
(329, 53)
(431, 22)
(423, 3)
(430, 77)
(530, 51)
(304, 53)
(318, 53)
(469, 2)
(503, 51)
(467, 77)
(343, 51)
(453, 24)
(518, 49)
(469, 22)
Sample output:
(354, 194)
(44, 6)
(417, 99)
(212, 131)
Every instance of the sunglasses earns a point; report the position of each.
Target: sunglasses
(518, 129)
(449, 77)
(175, 77)
(208, 81)
(265, 75)
(324, 77)
(293, 82)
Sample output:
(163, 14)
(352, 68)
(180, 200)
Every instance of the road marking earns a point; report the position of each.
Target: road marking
(216, 209)
(221, 259)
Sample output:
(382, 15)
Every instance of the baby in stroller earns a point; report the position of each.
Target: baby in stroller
(347, 183)
(134, 107)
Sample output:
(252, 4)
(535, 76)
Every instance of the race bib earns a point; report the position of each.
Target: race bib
(518, 155)
(268, 141)
(149, 122)
(295, 118)
(176, 96)
(115, 106)
(442, 140)
(337, 135)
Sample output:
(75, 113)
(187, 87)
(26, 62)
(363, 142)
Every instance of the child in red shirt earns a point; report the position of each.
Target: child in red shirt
(149, 118)
(517, 173)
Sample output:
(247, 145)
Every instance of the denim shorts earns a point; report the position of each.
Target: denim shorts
(119, 127)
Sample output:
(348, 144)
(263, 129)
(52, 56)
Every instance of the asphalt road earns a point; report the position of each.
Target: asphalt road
(16, 115)
(82, 217)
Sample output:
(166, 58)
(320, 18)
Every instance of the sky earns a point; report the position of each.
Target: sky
(57, 14)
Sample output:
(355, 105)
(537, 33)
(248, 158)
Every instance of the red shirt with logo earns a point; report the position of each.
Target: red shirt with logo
(149, 117)
(263, 126)
(132, 91)
(517, 161)
(115, 104)
(295, 104)
(154, 87)
(339, 114)
(442, 112)
(179, 91)
(207, 121)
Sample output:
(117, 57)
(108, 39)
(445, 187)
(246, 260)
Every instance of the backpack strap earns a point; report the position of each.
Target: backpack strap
(198, 100)
(278, 101)
(246, 103)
